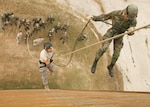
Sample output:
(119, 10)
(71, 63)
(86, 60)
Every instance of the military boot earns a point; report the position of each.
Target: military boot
(94, 66)
(110, 67)
(46, 87)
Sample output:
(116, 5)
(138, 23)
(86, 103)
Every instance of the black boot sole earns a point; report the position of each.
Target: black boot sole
(93, 69)
(110, 71)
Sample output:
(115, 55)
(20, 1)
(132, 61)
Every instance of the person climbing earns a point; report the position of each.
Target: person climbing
(45, 63)
(122, 21)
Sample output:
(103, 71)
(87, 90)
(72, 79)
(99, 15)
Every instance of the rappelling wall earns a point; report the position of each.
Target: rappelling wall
(19, 64)
(134, 60)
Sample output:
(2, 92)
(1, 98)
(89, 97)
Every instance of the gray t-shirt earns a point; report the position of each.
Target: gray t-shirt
(45, 55)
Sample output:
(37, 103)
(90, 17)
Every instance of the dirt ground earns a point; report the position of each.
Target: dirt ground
(71, 98)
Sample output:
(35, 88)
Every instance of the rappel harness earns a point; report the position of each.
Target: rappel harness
(44, 65)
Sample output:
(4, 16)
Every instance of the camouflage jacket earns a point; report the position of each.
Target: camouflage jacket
(118, 22)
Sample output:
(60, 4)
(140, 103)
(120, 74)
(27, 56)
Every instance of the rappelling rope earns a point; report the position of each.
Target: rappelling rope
(73, 47)
(28, 48)
(77, 50)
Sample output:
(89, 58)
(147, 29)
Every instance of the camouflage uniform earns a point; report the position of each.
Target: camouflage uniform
(43, 24)
(5, 18)
(119, 25)
(50, 18)
(46, 56)
(22, 22)
(51, 33)
(65, 27)
(57, 27)
(83, 36)
(27, 36)
(27, 25)
(64, 37)
(36, 25)
(36, 21)
(25, 22)
(13, 20)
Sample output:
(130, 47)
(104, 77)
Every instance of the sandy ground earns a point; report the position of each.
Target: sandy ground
(66, 98)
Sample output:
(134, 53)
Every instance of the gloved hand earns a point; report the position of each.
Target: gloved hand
(51, 60)
(94, 18)
(98, 18)
(131, 30)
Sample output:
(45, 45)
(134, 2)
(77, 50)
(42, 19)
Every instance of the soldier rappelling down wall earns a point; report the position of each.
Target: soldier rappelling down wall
(45, 63)
(122, 20)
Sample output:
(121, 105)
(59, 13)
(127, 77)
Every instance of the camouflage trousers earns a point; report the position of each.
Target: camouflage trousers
(118, 44)
(3, 24)
(43, 72)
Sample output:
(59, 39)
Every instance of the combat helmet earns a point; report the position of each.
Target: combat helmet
(131, 11)
(47, 46)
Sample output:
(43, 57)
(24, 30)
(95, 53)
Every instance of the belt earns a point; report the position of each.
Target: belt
(42, 66)
(42, 63)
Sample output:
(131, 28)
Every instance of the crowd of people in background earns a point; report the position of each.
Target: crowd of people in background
(29, 27)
